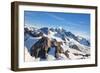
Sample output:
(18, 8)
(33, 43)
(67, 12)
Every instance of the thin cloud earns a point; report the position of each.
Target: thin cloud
(56, 17)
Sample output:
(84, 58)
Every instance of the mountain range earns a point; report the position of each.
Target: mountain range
(77, 47)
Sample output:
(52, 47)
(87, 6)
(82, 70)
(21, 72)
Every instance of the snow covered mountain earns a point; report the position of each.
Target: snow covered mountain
(83, 41)
(74, 47)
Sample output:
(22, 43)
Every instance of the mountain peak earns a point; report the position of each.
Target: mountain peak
(44, 30)
(61, 33)
(60, 28)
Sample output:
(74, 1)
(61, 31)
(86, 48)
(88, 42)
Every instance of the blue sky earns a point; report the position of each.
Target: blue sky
(77, 23)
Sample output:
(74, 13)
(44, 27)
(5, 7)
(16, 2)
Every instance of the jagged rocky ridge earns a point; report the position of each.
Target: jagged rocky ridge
(71, 46)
